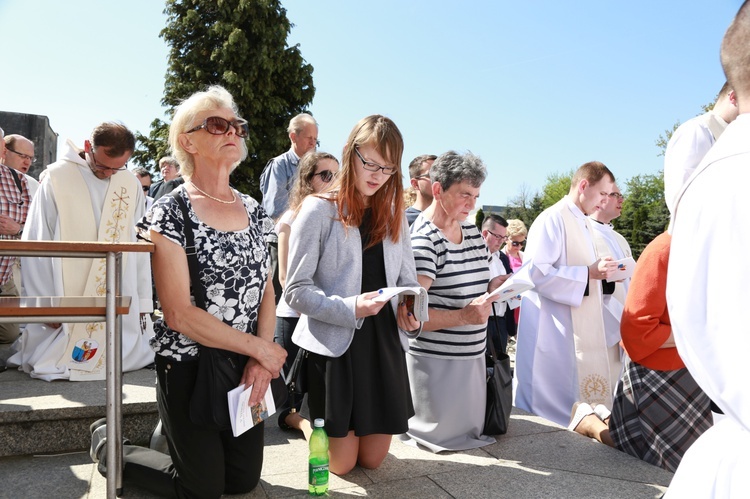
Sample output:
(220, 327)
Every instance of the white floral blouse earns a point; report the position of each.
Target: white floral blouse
(233, 268)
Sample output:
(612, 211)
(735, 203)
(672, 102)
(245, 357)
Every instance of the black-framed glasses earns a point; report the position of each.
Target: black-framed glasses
(216, 125)
(616, 195)
(517, 243)
(502, 238)
(21, 155)
(373, 167)
(424, 175)
(325, 175)
(99, 166)
(145, 188)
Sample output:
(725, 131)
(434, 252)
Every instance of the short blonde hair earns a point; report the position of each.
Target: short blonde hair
(516, 228)
(213, 98)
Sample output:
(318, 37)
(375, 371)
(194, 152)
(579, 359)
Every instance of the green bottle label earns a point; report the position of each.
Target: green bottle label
(318, 474)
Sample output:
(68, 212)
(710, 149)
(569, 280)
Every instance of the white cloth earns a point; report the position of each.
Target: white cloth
(685, 150)
(41, 347)
(497, 268)
(618, 248)
(32, 184)
(283, 309)
(546, 380)
(707, 300)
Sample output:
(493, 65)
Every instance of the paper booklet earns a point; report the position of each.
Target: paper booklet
(244, 417)
(625, 268)
(518, 282)
(415, 298)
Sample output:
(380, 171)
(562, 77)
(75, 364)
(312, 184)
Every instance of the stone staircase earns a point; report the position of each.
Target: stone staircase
(40, 417)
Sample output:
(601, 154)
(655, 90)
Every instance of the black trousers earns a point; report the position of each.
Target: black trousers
(202, 463)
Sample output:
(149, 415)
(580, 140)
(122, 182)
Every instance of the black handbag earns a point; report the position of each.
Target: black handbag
(296, 379)
(499, 393)
(219, 371)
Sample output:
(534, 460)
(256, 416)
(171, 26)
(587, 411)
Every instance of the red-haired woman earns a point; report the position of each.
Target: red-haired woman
(346, 245)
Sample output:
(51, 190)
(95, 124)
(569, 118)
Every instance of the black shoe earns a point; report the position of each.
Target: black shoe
(282, 420)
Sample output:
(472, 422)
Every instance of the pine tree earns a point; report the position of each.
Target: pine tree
(241, 45)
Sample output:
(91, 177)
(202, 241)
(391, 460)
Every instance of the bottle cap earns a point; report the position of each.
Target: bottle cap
(319, 423)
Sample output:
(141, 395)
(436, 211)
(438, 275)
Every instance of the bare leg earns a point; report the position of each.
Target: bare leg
(593, 427)
(373, 449)
(343, 452)
(296, 421)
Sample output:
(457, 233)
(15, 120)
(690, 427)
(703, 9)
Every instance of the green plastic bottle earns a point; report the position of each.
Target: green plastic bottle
(318, 462)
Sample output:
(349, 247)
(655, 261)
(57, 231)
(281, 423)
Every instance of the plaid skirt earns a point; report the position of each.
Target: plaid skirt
(657, 415)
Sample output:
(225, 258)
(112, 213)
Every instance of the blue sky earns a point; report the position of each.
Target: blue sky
(533, 87)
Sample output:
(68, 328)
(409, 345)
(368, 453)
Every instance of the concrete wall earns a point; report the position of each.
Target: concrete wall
(37, 129)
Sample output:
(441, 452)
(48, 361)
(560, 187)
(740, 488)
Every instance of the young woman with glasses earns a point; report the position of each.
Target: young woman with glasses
(345, 245)
(315, 174)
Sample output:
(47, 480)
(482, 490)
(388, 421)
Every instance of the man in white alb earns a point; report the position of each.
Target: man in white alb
(610, 242)
(707, 290)
(562, 355)
(89, 195)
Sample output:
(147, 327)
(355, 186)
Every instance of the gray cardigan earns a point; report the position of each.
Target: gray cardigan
(325, 276)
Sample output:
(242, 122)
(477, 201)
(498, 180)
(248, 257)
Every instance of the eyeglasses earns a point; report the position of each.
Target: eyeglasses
(145, 188)
(216, 125)
(104, 167)
(373, 167)
(517, 243)
(22, 156)
(616, 195)
(420, 177)
(502, 238)
(325, 175)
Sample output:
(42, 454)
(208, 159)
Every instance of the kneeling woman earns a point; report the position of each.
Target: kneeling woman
(344, 247)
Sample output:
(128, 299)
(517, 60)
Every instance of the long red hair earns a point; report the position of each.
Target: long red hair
(387, 203)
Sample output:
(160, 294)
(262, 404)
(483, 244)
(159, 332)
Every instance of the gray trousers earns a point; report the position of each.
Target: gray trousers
(9, 332)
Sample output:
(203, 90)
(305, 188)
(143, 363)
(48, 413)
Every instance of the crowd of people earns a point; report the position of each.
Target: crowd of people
(648, 364)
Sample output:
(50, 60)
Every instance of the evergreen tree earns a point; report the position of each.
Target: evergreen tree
(644, 212)
(479, 218)
(241, 45)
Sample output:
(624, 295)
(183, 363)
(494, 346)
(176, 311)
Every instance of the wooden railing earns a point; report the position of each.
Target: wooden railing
(109, 309)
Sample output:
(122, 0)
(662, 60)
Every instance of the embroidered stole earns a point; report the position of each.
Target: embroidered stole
(595, 383)
(84, 354)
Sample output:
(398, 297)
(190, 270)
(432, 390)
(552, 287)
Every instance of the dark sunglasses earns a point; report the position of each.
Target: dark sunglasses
(216, 125)
(518, 243)
(325, 175)
(145, 188)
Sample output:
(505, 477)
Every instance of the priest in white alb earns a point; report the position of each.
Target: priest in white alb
(89, 195)
(562, 354)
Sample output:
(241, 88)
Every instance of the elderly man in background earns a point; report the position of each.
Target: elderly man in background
(19, 155)
(277, 178)
(14, 207)
(89, 195)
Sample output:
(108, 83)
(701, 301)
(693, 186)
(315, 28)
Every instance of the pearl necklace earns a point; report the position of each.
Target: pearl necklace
(209, 196)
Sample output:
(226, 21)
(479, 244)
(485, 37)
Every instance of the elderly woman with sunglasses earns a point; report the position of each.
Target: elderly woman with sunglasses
(206, 136)
(345, 246)
(315, 173)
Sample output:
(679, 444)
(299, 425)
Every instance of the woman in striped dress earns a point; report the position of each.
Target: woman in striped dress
(446, 365)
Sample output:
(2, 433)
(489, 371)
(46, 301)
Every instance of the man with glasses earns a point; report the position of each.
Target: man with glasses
(495, 233)
(278, 176)
(419, 173)
(170, 178)
(88, 195)
(19, 155)
(561, 353)
(14, 206)
(609, 242)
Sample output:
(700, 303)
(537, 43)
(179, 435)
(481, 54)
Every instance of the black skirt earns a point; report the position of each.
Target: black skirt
(366, 390)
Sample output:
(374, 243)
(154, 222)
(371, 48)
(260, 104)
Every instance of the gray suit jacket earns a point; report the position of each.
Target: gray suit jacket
(325, 276)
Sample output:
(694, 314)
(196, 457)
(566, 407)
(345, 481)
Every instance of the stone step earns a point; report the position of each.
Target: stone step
(39, 417)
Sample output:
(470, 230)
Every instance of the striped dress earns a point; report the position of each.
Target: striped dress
(447, 372)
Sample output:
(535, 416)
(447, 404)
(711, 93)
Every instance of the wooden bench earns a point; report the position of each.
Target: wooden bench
(52, 309)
